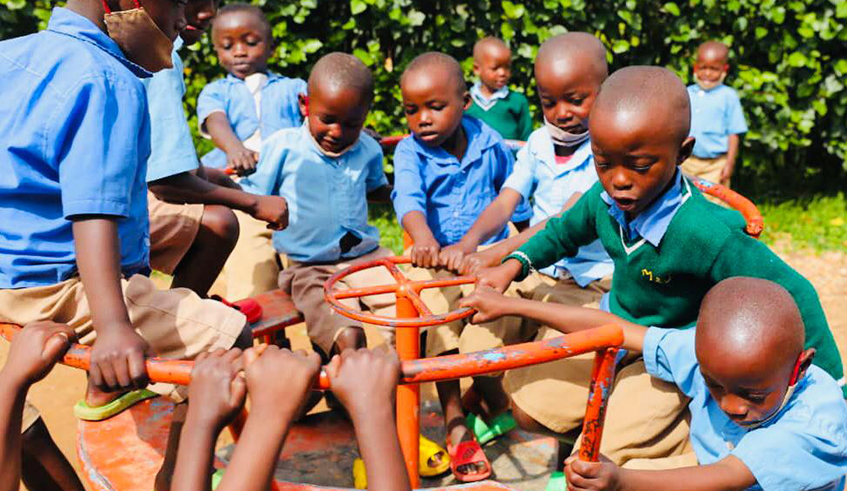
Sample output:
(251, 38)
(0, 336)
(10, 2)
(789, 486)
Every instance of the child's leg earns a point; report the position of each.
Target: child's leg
(253, 267)
(204, 261)
(43, 465)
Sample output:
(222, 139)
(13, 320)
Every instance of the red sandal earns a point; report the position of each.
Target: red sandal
(468, 453)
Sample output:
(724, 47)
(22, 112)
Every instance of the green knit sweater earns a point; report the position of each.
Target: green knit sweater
(510, 116)
(664, 286)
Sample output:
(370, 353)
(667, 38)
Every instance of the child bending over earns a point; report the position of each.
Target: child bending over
(364, 381)
(762, 416)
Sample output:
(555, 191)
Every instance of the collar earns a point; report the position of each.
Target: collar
(316, 148)
(542, 147)
(69, 23)
(652, 223)
(480, 138)
(484, 102)
(271, 78)
(178, 43)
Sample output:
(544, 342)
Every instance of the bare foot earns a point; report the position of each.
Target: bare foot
(95, 397)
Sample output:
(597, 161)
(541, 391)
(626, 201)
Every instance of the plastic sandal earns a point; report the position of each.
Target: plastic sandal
(468, 453)
(249, 307)
(217, 477)
(428, 450)
(360, 477)
(87, 413)
(485, 432)
(557, 482)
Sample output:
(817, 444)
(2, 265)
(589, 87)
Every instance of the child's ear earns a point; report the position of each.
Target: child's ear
(804, 363)
(466, 97)
(303, 102)
(685, 150)
(475, 69)
(726, 68)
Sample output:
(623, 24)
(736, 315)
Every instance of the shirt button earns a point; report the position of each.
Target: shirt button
(456, 214)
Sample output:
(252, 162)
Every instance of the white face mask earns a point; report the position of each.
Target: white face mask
(788, 394)
(140, 39)
(706, 85)
(564, 138)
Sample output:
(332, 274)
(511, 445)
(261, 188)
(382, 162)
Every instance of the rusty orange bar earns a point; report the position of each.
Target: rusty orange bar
(408, 396)
(751, 214)
(364, 291)
(602, 380)
(442, 283)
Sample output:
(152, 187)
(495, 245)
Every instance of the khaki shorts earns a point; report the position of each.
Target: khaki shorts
(253, 266)
(708, 169)
(305, 283)
(173, 229)
(176, 323)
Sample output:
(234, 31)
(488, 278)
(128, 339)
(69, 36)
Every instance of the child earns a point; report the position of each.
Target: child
(717, 120)
(762, 416)
(504, 110)
(238, 113)
(79, 253)
(669, 247)
(364, 381)
(446, 174)
(327, 170)
(32, 355)
(555, 169)
(192, 226)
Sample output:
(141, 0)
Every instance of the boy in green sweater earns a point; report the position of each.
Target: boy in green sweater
(669, 245)
(504, 110)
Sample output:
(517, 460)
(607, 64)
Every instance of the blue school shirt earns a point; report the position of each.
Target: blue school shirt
(327, 197)
(803, 447)
(76, 137)
(715, 114)
(172, 150)
(280, 108)
(551, 185)
(452, 194)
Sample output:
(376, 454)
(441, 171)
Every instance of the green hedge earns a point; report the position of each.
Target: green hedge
(789, 61)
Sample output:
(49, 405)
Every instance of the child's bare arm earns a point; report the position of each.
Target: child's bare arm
(365, 381)
(238, 156)
(491, 305)
(217, 393)
(731, 156)
(32, 355)
(278, 382)
(725, 475)
(117, 358)
(425, 249)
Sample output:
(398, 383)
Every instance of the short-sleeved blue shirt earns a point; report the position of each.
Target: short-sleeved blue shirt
(280, 108)
(327, 197)
(452, 194)
(715, 114)
(551, 185)
(803, 447)
(172, 149)
(76, 137)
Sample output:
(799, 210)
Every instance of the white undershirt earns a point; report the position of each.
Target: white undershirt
(255, 83)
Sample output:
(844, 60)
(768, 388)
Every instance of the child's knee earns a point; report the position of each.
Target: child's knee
(527, 422)
(221, 223)
(350, 338)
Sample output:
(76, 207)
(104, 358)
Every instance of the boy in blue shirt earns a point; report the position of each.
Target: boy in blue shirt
(762, 416)
(717, 121)
(77, 133)
(446, 173)
(192, 226)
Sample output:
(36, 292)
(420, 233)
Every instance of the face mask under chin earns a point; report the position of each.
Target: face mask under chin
(140, 39)
(565, 138)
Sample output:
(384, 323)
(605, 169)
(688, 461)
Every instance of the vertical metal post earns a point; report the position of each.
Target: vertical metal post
(602, 380)
(408, 396)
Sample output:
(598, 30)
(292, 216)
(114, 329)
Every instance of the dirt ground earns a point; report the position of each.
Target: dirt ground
(56, 395)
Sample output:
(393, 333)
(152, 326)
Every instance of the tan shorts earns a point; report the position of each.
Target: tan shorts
(708, 169)
(173, 229)
(253, 266)
(30, 416)
(305, 283)
(176, 323)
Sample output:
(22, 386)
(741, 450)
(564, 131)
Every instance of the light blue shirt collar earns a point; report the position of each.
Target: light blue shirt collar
(652, 223)
(486, 103)
(69, 23)
(235, 80)
(478, 141)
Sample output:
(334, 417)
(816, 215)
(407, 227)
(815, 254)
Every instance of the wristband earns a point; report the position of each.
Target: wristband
(526, 264)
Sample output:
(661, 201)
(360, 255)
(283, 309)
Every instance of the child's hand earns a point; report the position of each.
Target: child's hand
(35, 350)
(488, 303)
(451, 257)
(118, 359)
(217, 391)
(278, 381)
(272, 209)
(425, 253)
(498, 277)
(242, 160)
(726, 172)
(364, 378)
(581, 475)
(474, 263)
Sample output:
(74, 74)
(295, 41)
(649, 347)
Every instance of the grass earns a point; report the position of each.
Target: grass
(390, 232)
(819, 223)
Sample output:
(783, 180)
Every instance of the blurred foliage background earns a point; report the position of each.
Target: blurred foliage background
(788, 61)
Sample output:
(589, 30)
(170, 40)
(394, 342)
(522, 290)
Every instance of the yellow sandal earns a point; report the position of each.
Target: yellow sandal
(428, 450)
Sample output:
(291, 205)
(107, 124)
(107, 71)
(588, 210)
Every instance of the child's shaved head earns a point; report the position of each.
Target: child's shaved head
(573, 50)
(488, 43)
(446, 65)
(246, 9)
(713, 50)
(640, 92)
(337, 71)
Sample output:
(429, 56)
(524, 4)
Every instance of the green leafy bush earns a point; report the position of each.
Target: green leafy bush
(788, 59)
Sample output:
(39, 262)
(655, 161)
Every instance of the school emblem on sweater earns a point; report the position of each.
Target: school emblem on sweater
(656, 278)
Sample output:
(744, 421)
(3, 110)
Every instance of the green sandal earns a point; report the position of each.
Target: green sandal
(87, 413)
(485, 432)
(217, 477)
(557, 482)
